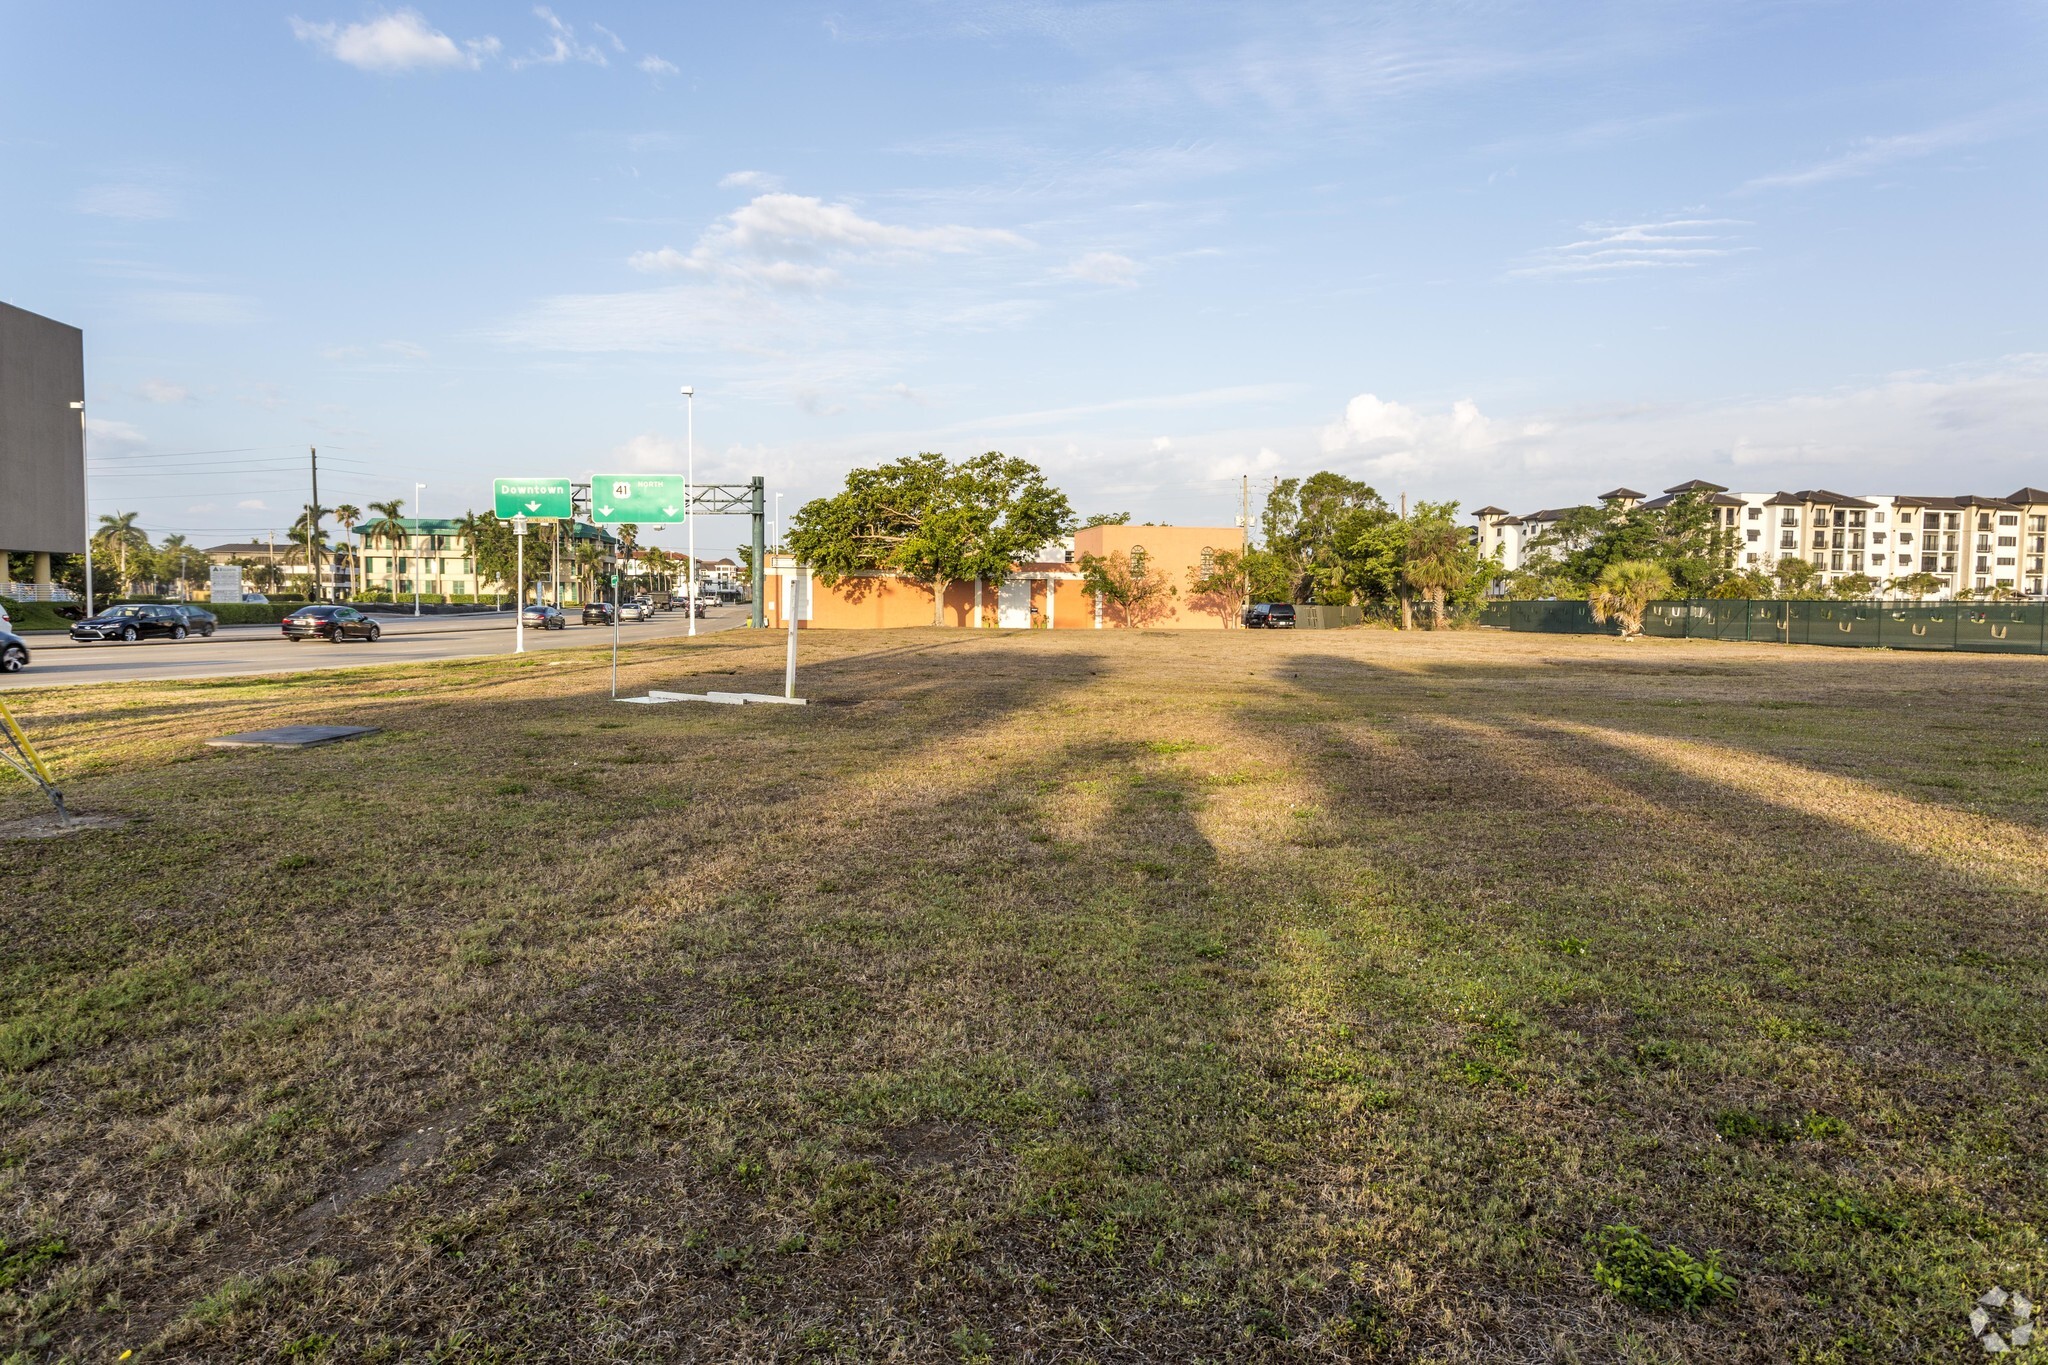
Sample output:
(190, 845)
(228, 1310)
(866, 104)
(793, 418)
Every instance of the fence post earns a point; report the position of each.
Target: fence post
(1880, 626)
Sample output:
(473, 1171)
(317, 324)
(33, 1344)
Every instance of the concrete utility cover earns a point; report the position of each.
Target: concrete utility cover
(292, 736)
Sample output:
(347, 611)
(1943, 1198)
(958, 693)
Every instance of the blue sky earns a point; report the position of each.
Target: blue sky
(1486, 251)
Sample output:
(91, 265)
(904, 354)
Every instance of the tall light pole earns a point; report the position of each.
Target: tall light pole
(777, 537)
(417, 489)
(86, 495)
(690, 495)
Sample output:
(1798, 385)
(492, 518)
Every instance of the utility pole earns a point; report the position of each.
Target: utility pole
(1244, 544)
(315, 553)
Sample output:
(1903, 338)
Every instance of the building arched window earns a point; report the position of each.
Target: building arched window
(1137, 559)
(1208, 560)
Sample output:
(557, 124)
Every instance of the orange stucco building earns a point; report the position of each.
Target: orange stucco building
(1045, 594)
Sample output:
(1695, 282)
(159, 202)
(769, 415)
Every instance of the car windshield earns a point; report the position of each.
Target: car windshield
(315, 611)
(124, 613)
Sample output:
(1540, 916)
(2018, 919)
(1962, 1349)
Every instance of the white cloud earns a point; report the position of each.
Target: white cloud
(252, 505)
(790, 241)
(1671, 244)
(658, 66)
(400, 40)
(562, 45)
(1161, 444)
(406, 349)
(650, 452)
(138, 203)
(1102, 267)
(750, 180)
(107, 437)
(1871, 154)
(162, 391)
(1392, 438)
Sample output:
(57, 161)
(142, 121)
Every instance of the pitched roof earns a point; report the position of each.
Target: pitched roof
(1925, 500)
(1783, 499)
(2031, 496)
(1491, 512)
(1613, 493)
(1697, 486)
(1827, 498)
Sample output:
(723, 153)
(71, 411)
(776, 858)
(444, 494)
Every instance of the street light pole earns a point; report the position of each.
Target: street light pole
(777, 537)
(690, 496)
(519, 586)
(416, 491)
(85, 493)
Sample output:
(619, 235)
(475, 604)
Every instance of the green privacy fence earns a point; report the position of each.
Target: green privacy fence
(1977, 627)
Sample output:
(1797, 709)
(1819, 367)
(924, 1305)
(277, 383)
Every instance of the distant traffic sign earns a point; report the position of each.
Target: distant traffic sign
(637, 498)
(538, 498)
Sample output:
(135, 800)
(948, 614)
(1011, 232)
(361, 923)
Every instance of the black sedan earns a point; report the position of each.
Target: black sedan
(13, 652)
(133, 621)
(329, 623)
(197, 619)
(544, 618)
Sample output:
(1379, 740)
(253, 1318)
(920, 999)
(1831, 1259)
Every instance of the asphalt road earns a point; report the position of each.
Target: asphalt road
(56, 660)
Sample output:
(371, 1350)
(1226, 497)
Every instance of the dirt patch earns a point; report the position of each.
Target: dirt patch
(53, 826)
(406, 1154)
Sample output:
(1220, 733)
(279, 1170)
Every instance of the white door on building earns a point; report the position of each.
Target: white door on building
(1013, 604)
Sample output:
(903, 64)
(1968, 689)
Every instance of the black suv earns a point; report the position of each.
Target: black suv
(1270, 616)
(597, 613)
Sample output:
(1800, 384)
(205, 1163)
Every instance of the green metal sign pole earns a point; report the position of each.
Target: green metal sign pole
(534, 499)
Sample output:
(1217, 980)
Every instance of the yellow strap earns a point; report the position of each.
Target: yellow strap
(20, 739)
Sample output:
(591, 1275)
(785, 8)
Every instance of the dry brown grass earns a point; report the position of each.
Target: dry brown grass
(1088, 996)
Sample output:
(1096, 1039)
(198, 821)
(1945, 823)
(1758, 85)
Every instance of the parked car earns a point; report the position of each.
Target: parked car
(133, 621)
(1270, 616)
(544, 618)
(324, 622)
(198, 620)
(255, 597)
(633, 611)
(6, 621)
(597, 613)
(13, 652)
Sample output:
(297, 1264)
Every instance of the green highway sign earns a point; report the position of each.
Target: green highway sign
(541, 499)
(639, 498)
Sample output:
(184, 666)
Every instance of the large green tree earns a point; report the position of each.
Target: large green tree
(1307, 523)
(933, 521)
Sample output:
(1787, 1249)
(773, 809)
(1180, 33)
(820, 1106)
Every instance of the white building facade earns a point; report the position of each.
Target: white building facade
(1967, 541)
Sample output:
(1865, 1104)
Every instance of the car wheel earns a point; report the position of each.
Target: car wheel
(14, 660)
(128, 634)
(177, 632)
(375, 634)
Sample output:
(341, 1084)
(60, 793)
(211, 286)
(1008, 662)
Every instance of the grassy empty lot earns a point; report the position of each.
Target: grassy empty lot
(1090, 996)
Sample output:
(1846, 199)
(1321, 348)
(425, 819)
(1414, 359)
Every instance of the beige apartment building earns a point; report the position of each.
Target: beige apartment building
(1969, 541)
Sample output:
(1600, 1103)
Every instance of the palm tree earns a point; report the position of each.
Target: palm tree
(589, 558)
(119, 533)
(1433, 564)
(348, 514)
(175, 556)
(309, 546)
(1624, 591)
(388, 528)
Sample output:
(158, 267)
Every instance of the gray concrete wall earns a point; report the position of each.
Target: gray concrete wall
(42, 475)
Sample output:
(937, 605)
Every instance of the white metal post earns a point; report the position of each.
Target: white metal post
(690, 495)
(519, 586)
(790, 609)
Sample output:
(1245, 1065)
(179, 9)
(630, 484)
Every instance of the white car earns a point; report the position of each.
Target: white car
(632, 611)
